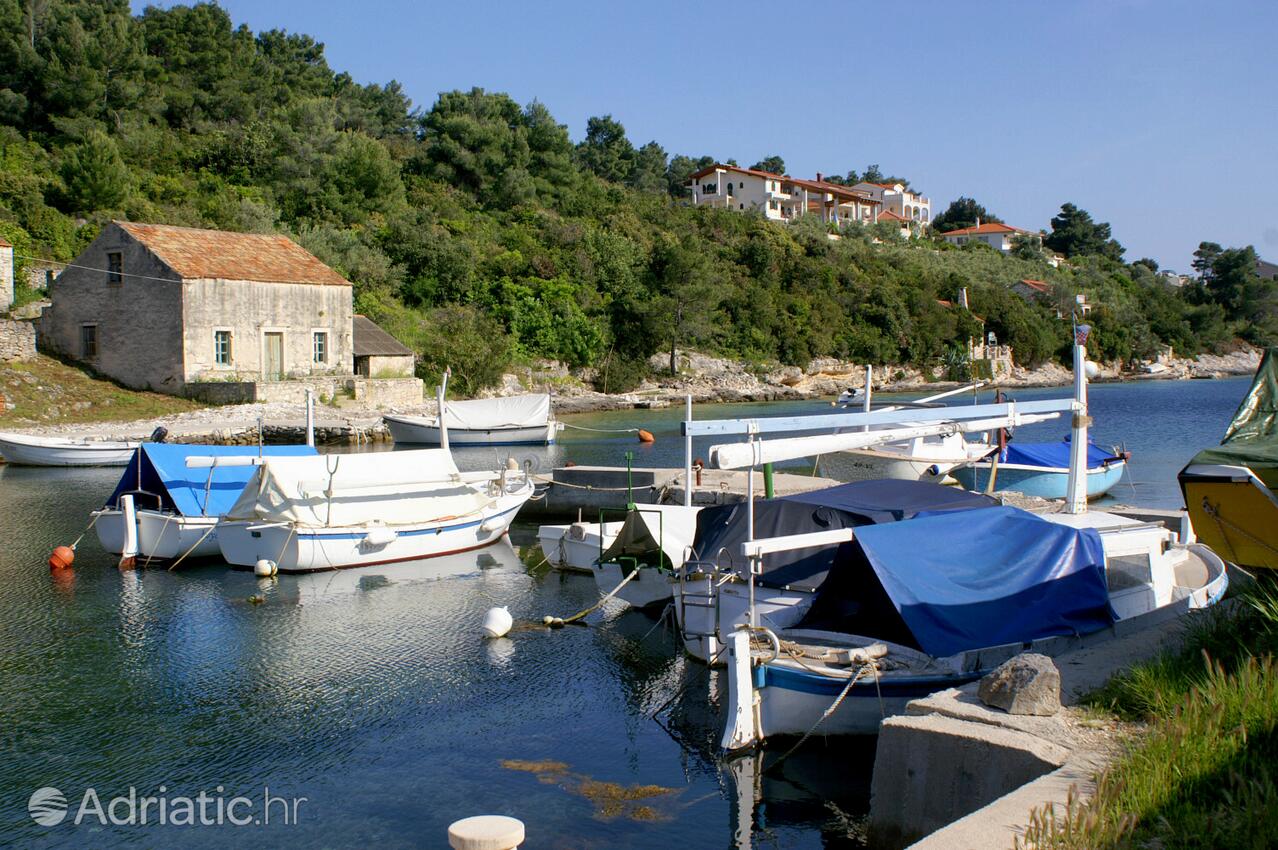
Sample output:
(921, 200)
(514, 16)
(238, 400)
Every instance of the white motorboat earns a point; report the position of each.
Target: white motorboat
(179, 494)
(651, 545)
(894, 622)
(337, 511)
(578, 545)
(511, 421)
(25, 450)
(929, 457)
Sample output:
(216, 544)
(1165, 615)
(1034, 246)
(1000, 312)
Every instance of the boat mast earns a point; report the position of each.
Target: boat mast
(1076, 489)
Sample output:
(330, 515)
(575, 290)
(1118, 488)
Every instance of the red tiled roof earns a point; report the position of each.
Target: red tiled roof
(4, 243)
(711, 169)
(218, 254)
(833, 189)
(1038, 286)
(888, 214)
(988, 227)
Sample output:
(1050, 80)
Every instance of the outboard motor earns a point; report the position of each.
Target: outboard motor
(159, 435)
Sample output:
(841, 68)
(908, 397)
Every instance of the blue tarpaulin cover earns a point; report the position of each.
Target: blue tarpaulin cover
(1055, 455)
(987, 577)
(889, 500)
(181, 490)
(722, 529)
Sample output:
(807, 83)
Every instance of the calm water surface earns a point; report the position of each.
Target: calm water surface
(370, 693)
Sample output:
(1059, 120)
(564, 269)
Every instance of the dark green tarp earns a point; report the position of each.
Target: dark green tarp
(1252, 437)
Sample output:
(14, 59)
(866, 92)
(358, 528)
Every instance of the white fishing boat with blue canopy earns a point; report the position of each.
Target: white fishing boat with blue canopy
(1042, 469)
(177, 504)
(910, 608)
(349, 510)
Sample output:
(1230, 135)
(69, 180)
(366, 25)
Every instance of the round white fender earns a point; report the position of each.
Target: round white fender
(379, 536)
(265, 568)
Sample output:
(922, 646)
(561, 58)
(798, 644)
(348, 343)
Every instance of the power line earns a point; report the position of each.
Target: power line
(91, 269)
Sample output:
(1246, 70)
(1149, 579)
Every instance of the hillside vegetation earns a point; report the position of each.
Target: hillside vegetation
(477, 232)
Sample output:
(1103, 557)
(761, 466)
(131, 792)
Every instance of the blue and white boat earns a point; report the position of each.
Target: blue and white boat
(1042, 469)
(178, 505)
(937, 601)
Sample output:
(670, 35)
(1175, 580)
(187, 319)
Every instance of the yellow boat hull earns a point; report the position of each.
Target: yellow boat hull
(1233, 512)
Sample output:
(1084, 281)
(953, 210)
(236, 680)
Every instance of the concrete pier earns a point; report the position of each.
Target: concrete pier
(960, 775)
(588, 488)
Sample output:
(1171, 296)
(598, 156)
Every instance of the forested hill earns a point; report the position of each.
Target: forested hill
(478, 232)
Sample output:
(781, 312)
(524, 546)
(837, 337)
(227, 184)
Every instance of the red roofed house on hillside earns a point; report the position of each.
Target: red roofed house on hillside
(994, 234)
(1032, 290)
(161, 307)
(778, 197)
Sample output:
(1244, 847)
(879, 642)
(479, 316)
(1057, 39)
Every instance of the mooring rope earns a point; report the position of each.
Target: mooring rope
(563, 621)
(602, 430)
(92, 523)
(203, 537)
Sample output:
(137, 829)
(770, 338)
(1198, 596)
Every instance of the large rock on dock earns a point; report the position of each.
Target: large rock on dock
(1026, 684)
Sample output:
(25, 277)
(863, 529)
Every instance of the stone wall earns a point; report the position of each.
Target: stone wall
(368, 392)
(6, 276)
(377, 365)
(17, 340)
(388, 392)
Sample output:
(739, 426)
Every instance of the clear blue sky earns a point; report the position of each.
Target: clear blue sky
(1157, 117)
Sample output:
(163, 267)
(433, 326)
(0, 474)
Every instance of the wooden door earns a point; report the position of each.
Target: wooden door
(274, 356)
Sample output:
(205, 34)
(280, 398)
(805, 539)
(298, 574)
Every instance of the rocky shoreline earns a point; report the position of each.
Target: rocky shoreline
(707, 379)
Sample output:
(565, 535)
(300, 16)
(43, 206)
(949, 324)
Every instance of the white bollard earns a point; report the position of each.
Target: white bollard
(497, 622)
(486, 832)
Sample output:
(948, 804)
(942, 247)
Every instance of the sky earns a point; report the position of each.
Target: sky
(1157, 117)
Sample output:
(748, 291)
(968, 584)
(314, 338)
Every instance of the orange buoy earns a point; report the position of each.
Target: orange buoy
(61, 558)
(646, 436)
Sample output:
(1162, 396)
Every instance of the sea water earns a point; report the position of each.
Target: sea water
(365, 708)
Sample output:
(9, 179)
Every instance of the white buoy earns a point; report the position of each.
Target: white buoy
(1091, 368)
(497, 622)
(486, 832)
(265, 568)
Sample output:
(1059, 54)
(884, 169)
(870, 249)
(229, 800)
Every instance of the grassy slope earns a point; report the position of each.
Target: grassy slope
(1205, 774)
(45, 391)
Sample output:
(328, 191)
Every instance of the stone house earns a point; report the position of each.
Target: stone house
(378, 354)
(162, 307)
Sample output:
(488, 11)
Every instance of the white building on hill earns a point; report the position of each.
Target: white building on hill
(779, 197)
(895, 197)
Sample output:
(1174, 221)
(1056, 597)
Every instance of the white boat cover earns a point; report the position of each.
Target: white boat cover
(649, 527)
(395, 488)
(488, 414)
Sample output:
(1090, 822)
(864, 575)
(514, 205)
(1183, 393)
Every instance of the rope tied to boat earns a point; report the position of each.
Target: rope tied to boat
(563, 621)
(194, 546)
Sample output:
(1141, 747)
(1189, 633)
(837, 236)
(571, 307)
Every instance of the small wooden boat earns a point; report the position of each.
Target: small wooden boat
(1229, 489)
(24, 450)
(336, 511)
(1042, 469)
(522, 420)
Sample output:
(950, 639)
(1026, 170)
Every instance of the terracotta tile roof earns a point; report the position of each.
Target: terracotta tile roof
(4, 243)
(834, 189)
(711, 169)
(1038, 286)
(370, 340)
(988, 227)
(217, 254)
(891, 216)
